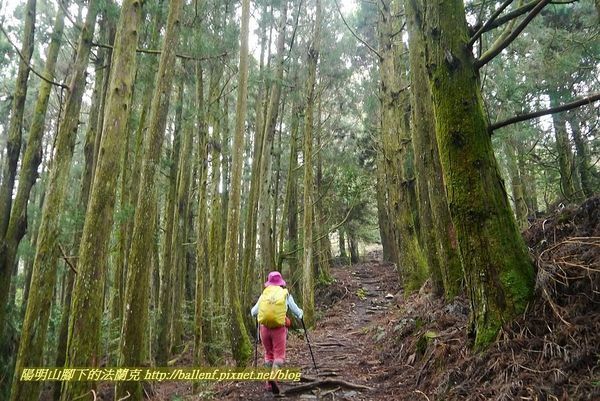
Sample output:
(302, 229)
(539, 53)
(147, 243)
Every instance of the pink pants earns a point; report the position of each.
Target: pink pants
(274, 342)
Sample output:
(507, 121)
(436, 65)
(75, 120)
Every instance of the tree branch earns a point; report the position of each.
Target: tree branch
(495, 50)
(493, 17)
(354, 34)
(510, 16)
(564, 107)
(29, 65)
(66, 259)
(158, 52)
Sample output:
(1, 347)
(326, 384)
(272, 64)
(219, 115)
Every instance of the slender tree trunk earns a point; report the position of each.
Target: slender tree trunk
(202, 265)
(342, 244)
(147, 77)
(13, 150)
(44, 268)
(240, 343)
(13, 143)
(167, 273)
(214, 236)
(354, 254)
(248, 263)
(87, 307)
(308, 279)
(582, 157)
(323, 245)
(172, 266)
(498, 272)
(516, 184)
(528, 178)
(137, 289)
(31, 159)
(267, 253)
(291, 252)
(180, 262)
(398, 156)
(383, 217)
(568, 176)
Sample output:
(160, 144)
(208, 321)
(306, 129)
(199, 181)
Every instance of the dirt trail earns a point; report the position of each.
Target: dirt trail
(352, 313)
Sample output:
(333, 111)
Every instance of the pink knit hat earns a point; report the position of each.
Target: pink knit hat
(275, 279)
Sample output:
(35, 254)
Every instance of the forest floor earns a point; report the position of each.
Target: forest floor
(417, 348)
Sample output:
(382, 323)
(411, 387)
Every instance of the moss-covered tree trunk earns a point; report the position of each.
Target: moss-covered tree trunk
(88, 291)
(249, 274)
(44, 267)
(397, 150)
(323, 245)
(18, 219)
(172, 265)
(202, 265)
(569, 180)
(240, 343)
(582, 156)
(516, 183)
(179, 261)
(13, 151)
(291, 201)
(215, 243)
(93, 132)
(145, 81)
(267, 251)
(135, 318)
(353, 245)
(167, 269)
(308, 279)
(444, 243)
(499, 275)
(32, 157)
(383, 217)
(528, 178)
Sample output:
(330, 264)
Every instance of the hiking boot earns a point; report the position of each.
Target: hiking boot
(274, 387)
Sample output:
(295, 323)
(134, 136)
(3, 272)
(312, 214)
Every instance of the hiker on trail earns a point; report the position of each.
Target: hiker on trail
(271, 309)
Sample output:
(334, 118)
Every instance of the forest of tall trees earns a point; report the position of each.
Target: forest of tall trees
(159, 158)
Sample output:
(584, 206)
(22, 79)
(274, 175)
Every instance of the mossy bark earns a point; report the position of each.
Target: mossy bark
(13, 151)
(88, 292)
(44, 268)
(28, 354)
(527, 177)
(582, 157)
(215, 242)
(308, 279)
(397, 151)
(499, 275)
(569, 181)
(240, 343)
(248, 262)
(516, 182)
(423, 125)
(136, 312)
(202, 266)
(267, 251)
(383, 217)
(179, 262)
(167, 269)
(145, 81)
(291, 202)
(32, 157)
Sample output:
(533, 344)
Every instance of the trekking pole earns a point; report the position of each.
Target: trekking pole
(308, 342)
(256, 345)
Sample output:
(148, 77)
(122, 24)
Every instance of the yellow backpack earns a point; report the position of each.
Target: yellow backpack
(272, 307)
